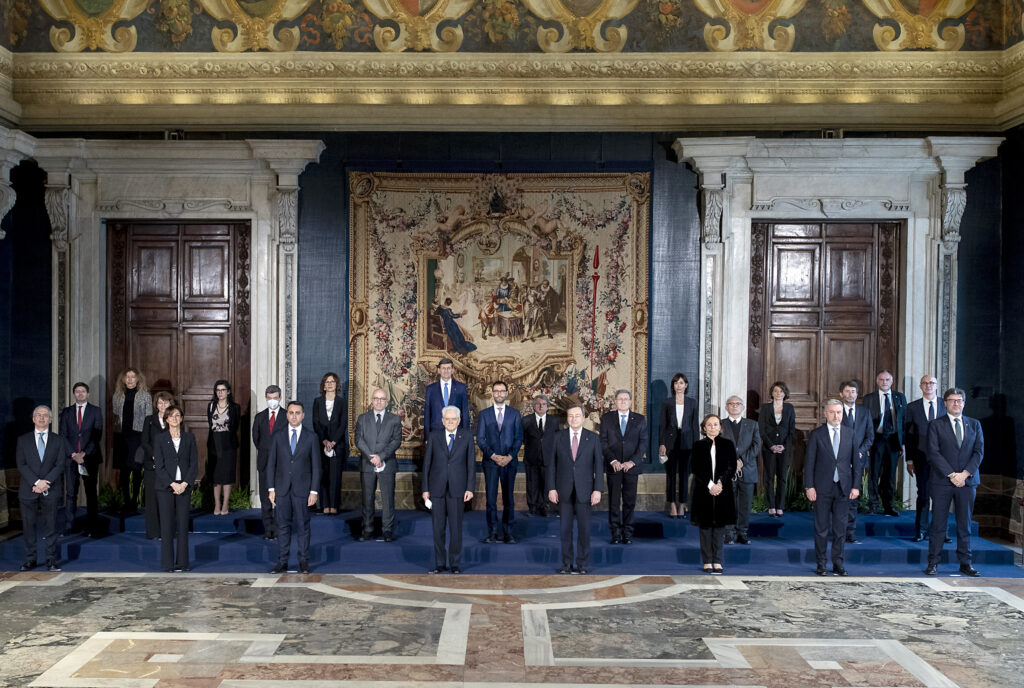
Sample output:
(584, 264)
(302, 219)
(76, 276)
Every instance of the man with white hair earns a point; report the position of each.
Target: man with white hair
(40, 456)
(745, 435)
(449, 470)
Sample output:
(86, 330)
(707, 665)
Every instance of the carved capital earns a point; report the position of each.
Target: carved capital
(58, 208)
(711, 220)
(954, 201)
(286, 207)
(7, 198)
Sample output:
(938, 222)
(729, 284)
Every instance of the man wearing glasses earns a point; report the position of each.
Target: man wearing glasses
(41, 456)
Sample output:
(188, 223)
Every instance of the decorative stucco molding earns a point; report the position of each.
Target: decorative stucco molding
(15, 146)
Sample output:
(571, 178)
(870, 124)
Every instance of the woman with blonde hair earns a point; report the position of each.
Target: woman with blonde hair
(131, 403)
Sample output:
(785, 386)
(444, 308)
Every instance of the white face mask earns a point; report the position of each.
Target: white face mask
(273, 404)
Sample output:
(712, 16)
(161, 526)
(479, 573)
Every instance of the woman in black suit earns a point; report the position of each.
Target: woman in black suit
(177, 467)
(677, 433)
(151, 429)
(329, 415)
(224, 418)
(777, 422)
(714, 508)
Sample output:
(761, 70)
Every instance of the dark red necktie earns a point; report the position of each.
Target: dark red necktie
(272, 414)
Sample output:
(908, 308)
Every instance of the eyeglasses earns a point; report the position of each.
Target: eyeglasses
(221, 389)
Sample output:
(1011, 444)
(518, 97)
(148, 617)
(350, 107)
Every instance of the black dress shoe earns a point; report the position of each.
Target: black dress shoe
(965, 569)
(303, 567)
(363, 538)
(456, 569)
(616, 541)
(743, 539)
(917, 538)
(574, 571)
(581, 571)
(52, 567)
(627, 541)
(28, 566)
(490, 539)
(932, 570)
(280, 568)
(438, 569)
(891, 512)
(186, 569)
(948, 540)
(565, 570)
(730, 541)
(821, 571)
(839, 571)
(268, 536)
(510, 539)
(852, 541)
(389, 538)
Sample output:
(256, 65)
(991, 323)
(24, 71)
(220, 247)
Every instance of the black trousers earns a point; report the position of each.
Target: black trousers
(743, 493)
(446, 511)
(153, 529)
(131, 472)
(70, 497)
(292, 511)
(574, 510)
(922, 472)
(712, 544)
(830, 521)
(882, 482)
(266, 508)
(536, 496)
(39, 520)
(677, 475)
(505, 476)
(330, 497)
(962, 499)
(776, 466)
(386, 480)
(174, 511)
(621, 490)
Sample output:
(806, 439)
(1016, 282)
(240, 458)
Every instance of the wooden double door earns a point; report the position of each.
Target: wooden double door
(823, 310)
(179, 312)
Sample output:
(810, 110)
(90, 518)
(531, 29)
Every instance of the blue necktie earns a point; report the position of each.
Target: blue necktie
(835, 452)
(931, 411)
(42, 446)
(295, 439)
(622, 425)
(451, 441)
(445, 388)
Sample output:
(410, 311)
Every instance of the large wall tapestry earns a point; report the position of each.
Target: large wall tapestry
(536, 279)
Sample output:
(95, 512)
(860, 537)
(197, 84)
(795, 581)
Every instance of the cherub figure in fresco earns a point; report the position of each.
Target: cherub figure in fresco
(539, 222)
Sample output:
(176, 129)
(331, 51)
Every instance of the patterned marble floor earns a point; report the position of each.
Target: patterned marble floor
(322, 631)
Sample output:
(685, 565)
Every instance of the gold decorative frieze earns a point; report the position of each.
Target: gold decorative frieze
(255, 24)
(919, 22)
(418, 23)
(92, 24)
(580, 24)
(749, 24)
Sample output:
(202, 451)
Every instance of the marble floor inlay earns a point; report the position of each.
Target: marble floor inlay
(377, 631)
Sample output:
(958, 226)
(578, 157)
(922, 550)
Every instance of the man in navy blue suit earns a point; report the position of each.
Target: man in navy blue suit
(887, 409)
(956, 447)
(40, 456)
(81, 427)
(445, 392)
(449, 470)
(267, 424)
(499, 436)
(293, 473)
(575, 476)
(623, 446)
(857, 418)
(830, 481)
(915, 433)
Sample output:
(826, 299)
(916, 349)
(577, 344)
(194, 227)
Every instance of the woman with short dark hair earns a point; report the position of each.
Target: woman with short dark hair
(329, 424)
(777, 422)
(151, 429)
(677, 433)
(713, 507)
(177, 467)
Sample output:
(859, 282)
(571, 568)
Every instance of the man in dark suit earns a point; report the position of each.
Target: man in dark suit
(887, 409)
(293, 473)
(40, 456)
(445, 392)
(857, 418)
(539, 432)
(920, 414)
(449, 470)
(378, 437)
(746, 436)
(624, 441)
(956, 447)
(267, 424)
(81, 427)
(830, 473)
(499, 436)
(575, 477)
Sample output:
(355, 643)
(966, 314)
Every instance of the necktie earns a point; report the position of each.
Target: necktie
(501, 414)
(849, 416)
(835, 452)
(42, 446)
(445, 394)
(272, 415)
(540, 424)
(622, 425)
(575, 445)
(79, 428)
(378, 421)
(956, 429)
(451, 441)
(295, 439)
(931, 411)
(887, 418)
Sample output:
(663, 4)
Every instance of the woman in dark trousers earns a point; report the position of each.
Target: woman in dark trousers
(777, 422)
(329, 414)
(677, 433)
(177, 467)
(713, 508)
(224, 417)
(131, 403)
(151, 428)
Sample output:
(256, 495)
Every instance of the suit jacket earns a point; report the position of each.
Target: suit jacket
(384, 442)
(863, 434)
(506, 441)
(747, 443)
(915, 427)
(89, 435)
(629, 447)
(707, 510)
(899, 409)
(333, 429)
(168, 461)
(262, 437)
(151, 429)
(820, 463)
(667, 429)
(945, 457)
(142, 407)
(234, 422)
(434, 402)
(51, 468)
(539, 448)
(449, 472)
(586, 474)
(773, 433)
(299, 471)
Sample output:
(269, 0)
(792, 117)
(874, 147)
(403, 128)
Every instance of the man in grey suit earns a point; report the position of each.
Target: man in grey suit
(40, 456)
(576, 477)
(744, 434)
(378, 437)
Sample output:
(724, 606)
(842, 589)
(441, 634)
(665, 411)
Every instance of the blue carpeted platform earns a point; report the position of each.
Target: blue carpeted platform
(662, 545)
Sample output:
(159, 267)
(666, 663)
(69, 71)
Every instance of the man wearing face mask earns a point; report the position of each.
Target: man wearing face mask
(265, 425)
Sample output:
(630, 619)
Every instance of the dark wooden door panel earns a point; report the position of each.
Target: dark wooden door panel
(847, 356)
(850, 278)
(208, 271)
(155, 352)
(796, 276)
(154, 273)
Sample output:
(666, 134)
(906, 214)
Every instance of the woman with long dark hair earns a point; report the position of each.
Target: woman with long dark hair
(151, 429)
(177, 467)
(677, 433)
(329, 415)
(224, 418)
(131, 403)
(777, 422)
